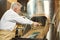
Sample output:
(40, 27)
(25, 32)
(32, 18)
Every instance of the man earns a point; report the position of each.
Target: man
(9, 20)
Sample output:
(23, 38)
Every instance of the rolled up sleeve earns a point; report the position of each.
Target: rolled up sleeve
(22, 20)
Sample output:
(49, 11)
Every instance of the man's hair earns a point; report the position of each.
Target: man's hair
(15, 4)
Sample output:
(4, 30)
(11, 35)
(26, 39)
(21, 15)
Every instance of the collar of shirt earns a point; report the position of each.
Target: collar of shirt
(12, 10)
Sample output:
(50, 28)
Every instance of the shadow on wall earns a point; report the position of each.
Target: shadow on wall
(2, 7)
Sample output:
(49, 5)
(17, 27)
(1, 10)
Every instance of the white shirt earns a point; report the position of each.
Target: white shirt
(10, 18)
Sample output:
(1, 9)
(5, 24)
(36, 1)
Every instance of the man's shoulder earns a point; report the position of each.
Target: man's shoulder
(7, 11)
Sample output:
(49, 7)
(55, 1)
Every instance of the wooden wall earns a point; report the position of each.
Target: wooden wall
(59, 10)
(9, 3)
(2, 7)
(56, 20)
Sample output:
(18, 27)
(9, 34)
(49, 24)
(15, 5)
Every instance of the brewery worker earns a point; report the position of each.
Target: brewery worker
(9, 20)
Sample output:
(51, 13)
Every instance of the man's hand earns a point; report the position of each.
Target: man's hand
(35, 24)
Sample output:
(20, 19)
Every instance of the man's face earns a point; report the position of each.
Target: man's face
(18, 9)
